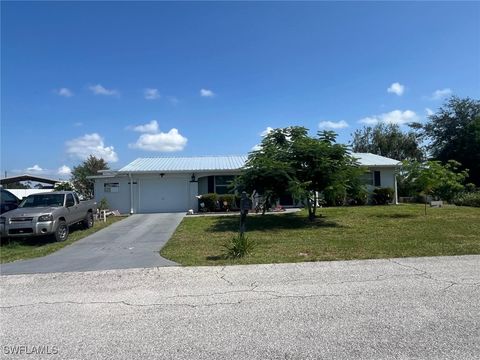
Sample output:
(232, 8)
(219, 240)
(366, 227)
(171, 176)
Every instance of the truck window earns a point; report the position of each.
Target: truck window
(43, 200)
(77, 200)
(69, 201)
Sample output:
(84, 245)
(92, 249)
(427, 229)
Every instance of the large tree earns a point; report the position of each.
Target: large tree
(89, 167)
(388, 140)
(453, 133)
(289, 160)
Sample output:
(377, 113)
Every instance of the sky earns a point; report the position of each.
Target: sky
(123, 80)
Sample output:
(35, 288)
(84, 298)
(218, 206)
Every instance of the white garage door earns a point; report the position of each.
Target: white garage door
(163, 195)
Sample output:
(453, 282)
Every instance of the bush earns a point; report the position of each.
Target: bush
(382, 196)
(468, 199)
(358, 196)
(210, 201)
(232, 202)
(103, 204)
(239, 246)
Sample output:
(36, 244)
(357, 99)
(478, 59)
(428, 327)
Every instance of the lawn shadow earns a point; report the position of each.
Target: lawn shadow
(270, 222)
(215, 257)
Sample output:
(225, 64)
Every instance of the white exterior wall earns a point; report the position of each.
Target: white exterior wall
(116, 200)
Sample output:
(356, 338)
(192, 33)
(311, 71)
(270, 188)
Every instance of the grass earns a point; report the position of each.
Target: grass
(342, 233)
(28, 248)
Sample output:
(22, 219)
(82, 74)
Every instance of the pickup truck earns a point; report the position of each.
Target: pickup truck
(47, 214)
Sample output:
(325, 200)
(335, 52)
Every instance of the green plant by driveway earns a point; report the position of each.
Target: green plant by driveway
(239, 246)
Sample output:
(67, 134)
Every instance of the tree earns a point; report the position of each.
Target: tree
(433, 178)
(388, 140)
(63, 186)
(89, 167)
(290, 161)
(453, 133)
(18, 185)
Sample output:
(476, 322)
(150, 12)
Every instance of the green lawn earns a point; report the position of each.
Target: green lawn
(28, 248)
(366, 232)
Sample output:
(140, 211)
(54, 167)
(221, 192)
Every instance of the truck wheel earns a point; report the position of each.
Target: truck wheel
(88, 221)
(61, 234)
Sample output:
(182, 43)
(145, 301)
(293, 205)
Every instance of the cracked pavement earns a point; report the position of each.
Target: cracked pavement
(410, 308)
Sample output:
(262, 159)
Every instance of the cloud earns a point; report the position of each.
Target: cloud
(441, 93)
(151, 94)
(342, 124)
(206, 93)
(100, 90)
(393, 117)
(64, 170)
(90, 144)
(429, 111)
(162, 142)
(151, 127)
(173, 100)
(78, 124)
(35, 169)
(65, 92)
(267, 131)
(396, 88)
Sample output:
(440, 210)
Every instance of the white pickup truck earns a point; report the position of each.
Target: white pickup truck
(48, 214)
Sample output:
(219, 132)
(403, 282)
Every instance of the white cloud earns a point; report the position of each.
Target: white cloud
(162, 142)
(65, 92)
(90, 144)
(267, 131)
(173, 100)
(429, 111)
(393, 117)
(441, 93)
(396, 88)
(151, 94)
(206, 93)
(342, 124)
(78, 124)
(35, 168)
(64, 170)
(151, 127)
(100, 90)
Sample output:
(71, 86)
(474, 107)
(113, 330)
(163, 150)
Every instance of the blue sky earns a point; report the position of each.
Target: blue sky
(125, 80)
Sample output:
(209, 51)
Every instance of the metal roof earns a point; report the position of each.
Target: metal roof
(179, 164)
(368, 159)
(222, 163)
(27, 177)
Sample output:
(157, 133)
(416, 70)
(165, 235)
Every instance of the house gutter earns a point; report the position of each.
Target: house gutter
(131, 192)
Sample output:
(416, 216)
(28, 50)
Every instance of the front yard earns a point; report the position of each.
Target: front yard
(366, 232)
(28, 248)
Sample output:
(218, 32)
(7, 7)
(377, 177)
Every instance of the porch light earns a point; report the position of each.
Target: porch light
(193, 178)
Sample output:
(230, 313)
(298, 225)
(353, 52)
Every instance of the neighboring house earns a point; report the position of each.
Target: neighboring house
(21, 193)
(168, 184)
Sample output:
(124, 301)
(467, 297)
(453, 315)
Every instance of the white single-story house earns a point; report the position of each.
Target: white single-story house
(170, 184)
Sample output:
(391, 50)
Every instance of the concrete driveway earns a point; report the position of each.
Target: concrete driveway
(131, 243)
(422, 308)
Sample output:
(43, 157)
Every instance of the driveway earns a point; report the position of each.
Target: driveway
(131, 243)
(417, 308)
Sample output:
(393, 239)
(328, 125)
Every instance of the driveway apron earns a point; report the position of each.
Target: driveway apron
(131, 243)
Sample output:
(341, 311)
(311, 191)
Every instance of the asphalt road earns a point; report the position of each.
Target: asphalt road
(131, 243)
(422, 308)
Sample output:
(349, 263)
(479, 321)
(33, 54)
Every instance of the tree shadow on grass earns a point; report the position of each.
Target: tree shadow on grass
(270, 222)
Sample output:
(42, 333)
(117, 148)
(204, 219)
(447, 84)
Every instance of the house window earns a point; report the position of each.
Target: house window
(376, 178)
(111, 187)
(222, 184)
(367, 178)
